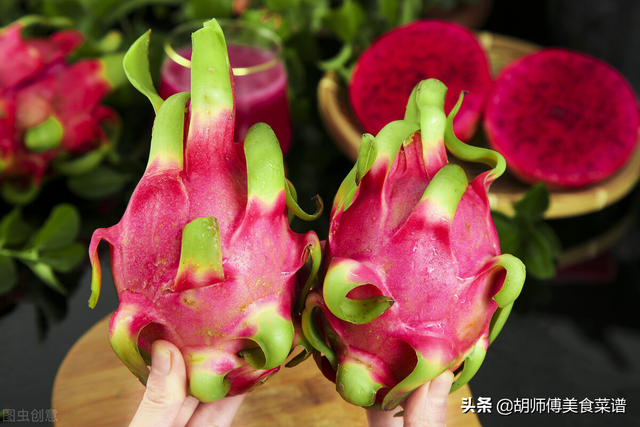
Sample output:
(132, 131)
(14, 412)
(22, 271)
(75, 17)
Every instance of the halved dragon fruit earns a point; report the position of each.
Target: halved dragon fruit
(389, 69)
(47, 106)
(562, 118)
(203, 256)
(413, 280)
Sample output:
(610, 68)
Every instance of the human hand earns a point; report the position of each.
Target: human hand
(165, 402)
(426, 407)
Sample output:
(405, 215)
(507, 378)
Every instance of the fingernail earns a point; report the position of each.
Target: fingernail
(160, 359)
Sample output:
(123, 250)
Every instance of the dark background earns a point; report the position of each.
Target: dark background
(577, 336)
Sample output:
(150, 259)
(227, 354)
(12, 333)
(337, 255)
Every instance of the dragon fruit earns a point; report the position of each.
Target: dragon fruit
(203, 256)
(48, 107)
(562, 118)
(413, 280)
(389, 69)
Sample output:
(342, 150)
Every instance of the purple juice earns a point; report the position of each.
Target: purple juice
(260, 96)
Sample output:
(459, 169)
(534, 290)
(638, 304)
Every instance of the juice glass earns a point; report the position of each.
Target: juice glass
(259, 74)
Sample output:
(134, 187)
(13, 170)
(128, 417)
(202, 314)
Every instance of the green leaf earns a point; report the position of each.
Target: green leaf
(296, 73)
(99, 44)
(389, 10)
(81, 164)
(537, 255)
(118, 9)
(527, 236)
(534, 203)
(109, 43)
(270, 21)
(314, 10)
(19, 195)
(8, 274)
(54, 22)
(281, 5)
(207, 9)
(508, 233)
(410, 10)
(65, 259)
(46, 136)
(255, 16)
(339, 60)
(98, 184)
(59, 230)
(9, 12)
(555, 246)
(46, 274)
(14, 230)
(61, 8)
(113, 68)
(345, 21)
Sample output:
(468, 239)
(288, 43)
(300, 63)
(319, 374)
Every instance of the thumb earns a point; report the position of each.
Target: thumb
(427, 405)
(166, 388)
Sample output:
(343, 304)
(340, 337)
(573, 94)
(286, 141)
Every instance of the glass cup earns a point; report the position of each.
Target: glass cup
(259, 74)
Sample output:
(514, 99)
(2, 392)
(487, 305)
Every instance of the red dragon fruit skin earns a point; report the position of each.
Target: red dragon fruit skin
(25, 59)
(414, 282)
(388, 70)
(204, 256)
(562, 118)
(41, 91)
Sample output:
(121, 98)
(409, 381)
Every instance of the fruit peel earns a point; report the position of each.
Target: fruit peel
(412, 230)
(203, 256)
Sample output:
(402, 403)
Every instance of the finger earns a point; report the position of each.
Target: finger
(219, 413)
(383, 418)
(188, 408)
(427, 406)
(166, 388)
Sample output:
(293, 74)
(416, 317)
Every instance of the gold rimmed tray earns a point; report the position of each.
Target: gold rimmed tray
(346, 131)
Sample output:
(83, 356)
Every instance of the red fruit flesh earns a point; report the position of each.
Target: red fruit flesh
(562, 118)
(391, 67)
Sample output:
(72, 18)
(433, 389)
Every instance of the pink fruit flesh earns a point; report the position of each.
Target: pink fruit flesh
(562, 118)
(390, 68)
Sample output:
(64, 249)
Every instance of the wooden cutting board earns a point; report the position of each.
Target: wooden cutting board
(94, 388)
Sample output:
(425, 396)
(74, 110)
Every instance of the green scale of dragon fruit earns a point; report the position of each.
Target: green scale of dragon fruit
(413, 280)
(203, 256)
